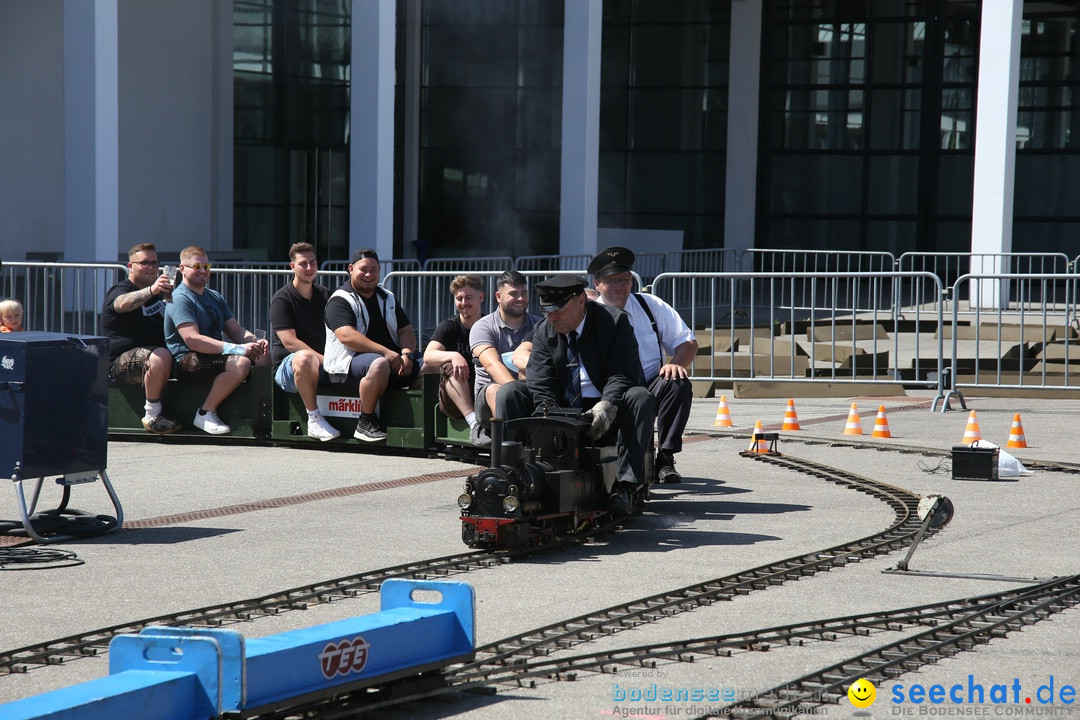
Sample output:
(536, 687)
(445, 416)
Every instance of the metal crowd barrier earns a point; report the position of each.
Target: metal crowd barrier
(749, 306)
(951, 266)
(1014, 339)
(60, 297)
(748, 332)
(427, 300)
(799, 295)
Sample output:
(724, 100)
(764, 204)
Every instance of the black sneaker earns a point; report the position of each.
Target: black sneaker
(368, 429)
(665, 468)
(618, 503)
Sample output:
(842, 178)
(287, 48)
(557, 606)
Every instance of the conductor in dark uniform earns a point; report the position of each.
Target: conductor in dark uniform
(585, 355)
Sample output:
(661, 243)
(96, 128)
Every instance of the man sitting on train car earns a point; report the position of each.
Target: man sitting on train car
(197, 322)
(296, 347)
(659, 329)
(369, 340)
(448, 350)
(132, 318)
(494, 339)
(585, 355)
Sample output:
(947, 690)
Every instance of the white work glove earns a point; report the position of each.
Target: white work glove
(602, 415)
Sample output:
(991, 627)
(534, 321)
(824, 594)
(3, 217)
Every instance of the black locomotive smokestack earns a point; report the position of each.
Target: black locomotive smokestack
(496, 441)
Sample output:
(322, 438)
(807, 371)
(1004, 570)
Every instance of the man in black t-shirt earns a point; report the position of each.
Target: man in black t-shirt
(449, 351)
(132, 318)
(369, 340)
(298, 335)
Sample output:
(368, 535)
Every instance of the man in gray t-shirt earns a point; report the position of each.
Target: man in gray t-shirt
(493, 340)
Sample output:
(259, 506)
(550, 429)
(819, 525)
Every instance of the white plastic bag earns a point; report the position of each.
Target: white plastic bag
(1008, 466)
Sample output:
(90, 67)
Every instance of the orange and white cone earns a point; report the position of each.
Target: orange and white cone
(1016, 434)
(791, 420)
(881, 424)
(723, 414)
(971, 432)
(758, 444)
(854, 424)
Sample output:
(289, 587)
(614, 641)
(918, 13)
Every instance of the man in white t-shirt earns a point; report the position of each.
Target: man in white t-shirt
(660, 332)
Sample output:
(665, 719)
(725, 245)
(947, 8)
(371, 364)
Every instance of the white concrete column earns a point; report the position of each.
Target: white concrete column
(740, 201)
(580, 127)
(91, 130)
(371, 131)
(995, 138)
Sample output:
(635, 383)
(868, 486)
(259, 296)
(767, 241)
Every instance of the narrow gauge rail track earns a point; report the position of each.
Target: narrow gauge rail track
(855, 444)
(495, 659)
(492, 660)
(828, 685)
(498, 662)
(55, 652)
(982, 611)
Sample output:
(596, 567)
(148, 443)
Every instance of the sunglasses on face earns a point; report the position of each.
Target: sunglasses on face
(198, 266)
(145, 263)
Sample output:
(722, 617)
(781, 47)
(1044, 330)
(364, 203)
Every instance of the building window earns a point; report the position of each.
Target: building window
(663, 117)
(1046, 217)
(490, 127)
(867, 124)
(291, 121)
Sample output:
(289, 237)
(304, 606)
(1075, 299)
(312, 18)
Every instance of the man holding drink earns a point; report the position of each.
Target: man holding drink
(132, 320)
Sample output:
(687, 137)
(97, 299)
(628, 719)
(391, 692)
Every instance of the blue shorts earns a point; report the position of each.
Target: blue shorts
(361, 363)
(283, 376)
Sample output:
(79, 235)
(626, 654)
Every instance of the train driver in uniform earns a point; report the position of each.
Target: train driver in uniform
(584, 355)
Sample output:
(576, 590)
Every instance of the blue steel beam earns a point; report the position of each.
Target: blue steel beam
(196, 673)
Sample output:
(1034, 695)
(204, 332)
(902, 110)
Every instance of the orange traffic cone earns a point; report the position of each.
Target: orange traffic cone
(971, 432)
(758, 444)
(1016, 434)
(723, 414)
(791, 420)
(881, 424)
(854, 424)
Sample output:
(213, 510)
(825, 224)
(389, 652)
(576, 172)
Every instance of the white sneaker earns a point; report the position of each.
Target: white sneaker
(320, 429)
(211, 423)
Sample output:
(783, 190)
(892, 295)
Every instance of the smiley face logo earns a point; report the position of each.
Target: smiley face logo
(862, 693)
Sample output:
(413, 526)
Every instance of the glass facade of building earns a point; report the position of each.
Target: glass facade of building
(663, 117)
(1046, 214)
(866, 132)
(291, 64)
(867, 136)
(490, 127)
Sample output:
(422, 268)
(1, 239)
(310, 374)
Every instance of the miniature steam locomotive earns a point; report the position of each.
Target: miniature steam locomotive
(547, 479)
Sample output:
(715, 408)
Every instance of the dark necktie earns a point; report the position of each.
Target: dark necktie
(573, 367)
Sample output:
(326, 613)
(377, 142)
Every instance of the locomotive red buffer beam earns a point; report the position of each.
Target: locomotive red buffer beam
(197, 673)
